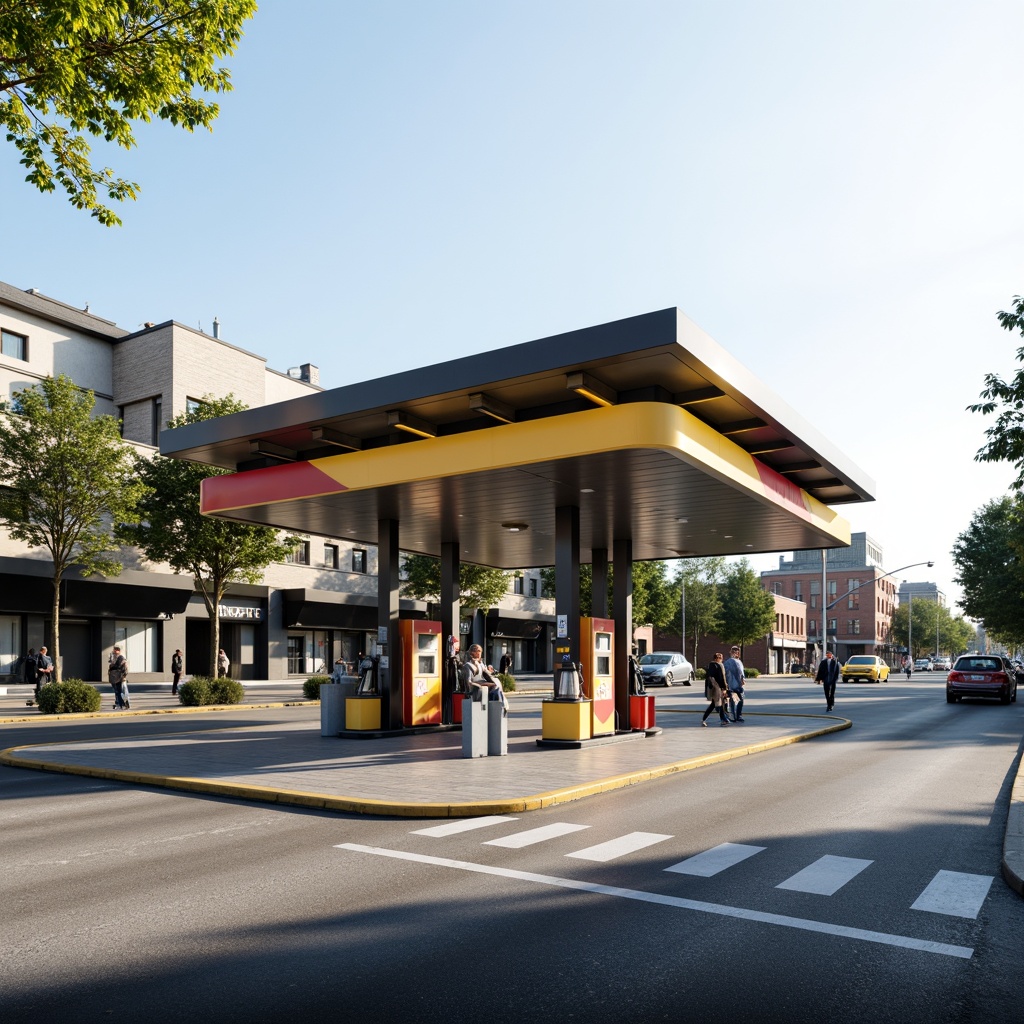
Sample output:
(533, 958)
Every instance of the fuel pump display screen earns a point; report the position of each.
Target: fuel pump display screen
(426, 665)
(603, 642)
(426, 641)
(604, 666)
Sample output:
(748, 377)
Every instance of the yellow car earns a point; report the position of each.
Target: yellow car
(865, 668)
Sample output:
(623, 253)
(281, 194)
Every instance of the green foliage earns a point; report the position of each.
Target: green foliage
(750, 673)
(70, 696)
(989, 558)
(311, 687)
(955, 635)
(201, 690)
(700, 674)
(64, 476)
(170, 528)
(699, 578)
(748, 610)
(479, 586)
(93, 67)
(507, 680)
(1006, 436)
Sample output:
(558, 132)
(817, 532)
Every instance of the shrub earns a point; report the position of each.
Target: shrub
(508, 681)
(750, 673)
(69, 696)
(700, 673)
(195, 692)
(226, 691)
(311, 687)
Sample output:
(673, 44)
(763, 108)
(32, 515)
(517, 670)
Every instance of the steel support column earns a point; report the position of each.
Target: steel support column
(599, 583)
(449, 617)
(387, 618)
(567, 578)
(622, 613)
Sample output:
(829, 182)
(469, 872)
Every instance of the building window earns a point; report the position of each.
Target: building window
(833, 625)
(777, 589)
(359, 559)
(158, 415)
(299, 555)
(812, 626)
(331, 556)
(140, 644)
(533, 587)
(798, 590)
(14, 345)
(192, 405)
(517, 584)
(814, 600)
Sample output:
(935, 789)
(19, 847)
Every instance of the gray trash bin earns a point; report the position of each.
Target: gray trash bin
(474, 728)
(497, 729)
(332, 706)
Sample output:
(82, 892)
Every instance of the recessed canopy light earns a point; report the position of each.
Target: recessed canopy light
(515, 527)
(586, 490)
(682, 519)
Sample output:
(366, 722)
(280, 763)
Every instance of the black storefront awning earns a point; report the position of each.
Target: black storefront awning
(516, 629)
(321, 609)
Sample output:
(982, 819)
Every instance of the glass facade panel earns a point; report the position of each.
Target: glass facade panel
(140, 644)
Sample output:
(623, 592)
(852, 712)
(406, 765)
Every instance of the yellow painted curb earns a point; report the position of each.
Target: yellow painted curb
(356, 805)
(78, 716)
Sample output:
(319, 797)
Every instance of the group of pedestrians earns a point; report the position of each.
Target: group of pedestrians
(36, 669)
(724, 688)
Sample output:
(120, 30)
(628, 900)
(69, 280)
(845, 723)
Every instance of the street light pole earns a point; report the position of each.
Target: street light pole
(682, 616)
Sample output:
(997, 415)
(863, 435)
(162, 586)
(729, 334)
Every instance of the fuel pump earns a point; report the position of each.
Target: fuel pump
(369, 676)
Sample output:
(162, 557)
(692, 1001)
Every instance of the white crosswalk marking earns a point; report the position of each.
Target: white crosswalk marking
(718, 858)
(629, 843)
(536, 835)
(954, 893)
(826, 876)
(462, 825)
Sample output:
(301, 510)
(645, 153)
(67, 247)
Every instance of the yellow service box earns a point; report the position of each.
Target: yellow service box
(565, 719)
(362, 713)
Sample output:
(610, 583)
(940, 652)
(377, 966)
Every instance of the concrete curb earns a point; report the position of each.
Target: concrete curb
(77, 716)
(1013, 840)
(440, 809)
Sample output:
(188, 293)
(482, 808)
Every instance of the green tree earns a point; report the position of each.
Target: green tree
(990, 568)
(65, 476)
(935, 630)
(479, 586)
(1005, 436)
(700, 579)
(655, 596)
(93, 67)
(748, 610)
(170, 528)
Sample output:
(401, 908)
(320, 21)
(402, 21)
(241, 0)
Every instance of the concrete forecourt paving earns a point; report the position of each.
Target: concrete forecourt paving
(421, 775)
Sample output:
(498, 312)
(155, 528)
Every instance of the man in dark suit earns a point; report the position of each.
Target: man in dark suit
(828, 676)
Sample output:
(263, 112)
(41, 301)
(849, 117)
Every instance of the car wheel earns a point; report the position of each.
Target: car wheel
(846, 679)
(1004, 698)
(950, 699)
(668, 678)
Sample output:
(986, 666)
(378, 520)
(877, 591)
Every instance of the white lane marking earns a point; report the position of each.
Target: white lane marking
(718, 858)
(860, 934)
(536, 835)
(954, 893)
(826, 876)
(462, 825)
(629, 843)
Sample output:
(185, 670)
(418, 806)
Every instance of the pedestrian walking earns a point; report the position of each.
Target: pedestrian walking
(715, 689)
(735, 674)
(505, 665)
(44, 669)
(908, 664)
(31, 674)
(828, 676)
(223, 663)
(175, 672)
(117, 676)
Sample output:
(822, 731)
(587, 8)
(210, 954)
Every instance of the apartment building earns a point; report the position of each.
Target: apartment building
(316, 607)
(857, 604)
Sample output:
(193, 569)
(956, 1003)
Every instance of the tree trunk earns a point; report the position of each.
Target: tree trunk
(55, 628)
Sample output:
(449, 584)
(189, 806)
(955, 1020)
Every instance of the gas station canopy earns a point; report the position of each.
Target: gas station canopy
(646, 425)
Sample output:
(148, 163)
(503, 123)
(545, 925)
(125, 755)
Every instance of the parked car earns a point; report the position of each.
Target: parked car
(666, 667)
(982, 675)
(923, 665)
(865, 668)
(941, 663)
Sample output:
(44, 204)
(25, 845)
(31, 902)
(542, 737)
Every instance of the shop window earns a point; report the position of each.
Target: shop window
(14, 345)
(331, 556)
(10, 636)
(359, 559)
(517, 584)
(533, 587)
(140, 644)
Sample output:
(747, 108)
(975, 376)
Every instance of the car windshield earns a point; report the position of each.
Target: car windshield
(655, 659)
(861, 660)
(979, 665)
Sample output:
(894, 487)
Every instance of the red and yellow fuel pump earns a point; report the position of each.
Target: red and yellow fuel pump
(420, 652)
(597, 666)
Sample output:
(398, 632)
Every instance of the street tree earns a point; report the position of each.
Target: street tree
(934, 628)
(748, 610)
(65, 477)
(1006, 399)
(95, 67)
(479, 585)
(170, 528)
(699, 580)
(989, 558)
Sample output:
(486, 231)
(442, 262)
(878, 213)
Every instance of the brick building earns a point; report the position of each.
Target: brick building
(858, 603)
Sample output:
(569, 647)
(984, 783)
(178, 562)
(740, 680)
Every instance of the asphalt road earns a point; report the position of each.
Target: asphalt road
(853, 878)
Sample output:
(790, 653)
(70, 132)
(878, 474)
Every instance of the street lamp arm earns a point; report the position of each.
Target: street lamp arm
(912, 565)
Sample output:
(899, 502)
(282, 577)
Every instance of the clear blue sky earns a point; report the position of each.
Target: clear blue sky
(833, 191)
